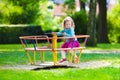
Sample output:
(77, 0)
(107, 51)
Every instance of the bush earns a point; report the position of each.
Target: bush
(114, 25)
(80, 19)
(11, 34)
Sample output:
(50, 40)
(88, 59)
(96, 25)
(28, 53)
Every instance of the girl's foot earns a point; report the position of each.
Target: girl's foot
(62, 60)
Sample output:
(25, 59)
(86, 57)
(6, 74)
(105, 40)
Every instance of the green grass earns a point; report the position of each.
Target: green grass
(19, 57)
(11, 47)
(105, 47)
(18, 47)
(13, 54)
(107, 73)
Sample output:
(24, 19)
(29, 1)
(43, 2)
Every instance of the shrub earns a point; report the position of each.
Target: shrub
(11, 34)
(80, 19)
(114, 25)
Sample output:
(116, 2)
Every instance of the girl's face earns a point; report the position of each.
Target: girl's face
(68, 24)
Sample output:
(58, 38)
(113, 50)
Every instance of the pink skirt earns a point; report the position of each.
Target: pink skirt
(70, 44)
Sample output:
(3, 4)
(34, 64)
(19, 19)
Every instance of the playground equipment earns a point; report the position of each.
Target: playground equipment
(34, 41)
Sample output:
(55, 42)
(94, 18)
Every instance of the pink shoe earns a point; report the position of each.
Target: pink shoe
(62, 60)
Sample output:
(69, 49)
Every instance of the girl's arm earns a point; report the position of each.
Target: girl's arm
(60, 33)
(70, 33)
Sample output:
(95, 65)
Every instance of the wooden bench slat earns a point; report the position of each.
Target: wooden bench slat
(43, 49)
(31, 49)
(49, 49)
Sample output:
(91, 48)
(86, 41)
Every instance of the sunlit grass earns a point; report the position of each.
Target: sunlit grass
(11, 47)
(13, 54)
(19, 57)
(105, 47)
(18, 47)
(108, 73)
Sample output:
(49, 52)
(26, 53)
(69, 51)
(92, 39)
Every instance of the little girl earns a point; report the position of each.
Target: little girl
(68, 31)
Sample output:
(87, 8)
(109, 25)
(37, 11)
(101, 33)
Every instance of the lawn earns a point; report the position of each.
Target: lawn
(19, 57)
(107, 73)
(105, 47)
(13, 54)
(18, 47)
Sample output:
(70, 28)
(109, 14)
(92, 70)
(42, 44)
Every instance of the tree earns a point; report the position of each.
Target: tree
(71, 6)
(30, 11)
(8, 11)
(92, 24)
(102, 22)
(82, 4)
(19, 11)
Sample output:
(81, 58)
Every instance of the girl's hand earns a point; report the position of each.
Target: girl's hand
(53, 33)
(64, 34)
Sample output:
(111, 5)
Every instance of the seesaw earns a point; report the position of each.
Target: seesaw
(35, 47)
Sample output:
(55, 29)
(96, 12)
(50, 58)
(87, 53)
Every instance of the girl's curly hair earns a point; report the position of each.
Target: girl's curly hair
(68, 19)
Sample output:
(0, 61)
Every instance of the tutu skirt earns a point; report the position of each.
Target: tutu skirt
(70, 44)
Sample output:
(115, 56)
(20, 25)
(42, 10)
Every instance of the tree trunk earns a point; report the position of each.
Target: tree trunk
(82, 5)
(92, 24)
(102, 22)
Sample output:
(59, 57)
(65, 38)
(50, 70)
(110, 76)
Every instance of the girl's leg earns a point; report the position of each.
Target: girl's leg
(63, 55)
(75, 56)
(72, 45)
(72, 52)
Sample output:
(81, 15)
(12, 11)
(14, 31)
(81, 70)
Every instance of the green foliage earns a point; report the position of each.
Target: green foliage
(47, 20)
(11, 34)
(71, 6)
(80, 19)
(38, 12)
(8, 11)
(19, 11)
(30, 11)
(114, 25)
(84, 1)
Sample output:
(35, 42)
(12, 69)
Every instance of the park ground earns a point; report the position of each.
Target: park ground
(100, 63)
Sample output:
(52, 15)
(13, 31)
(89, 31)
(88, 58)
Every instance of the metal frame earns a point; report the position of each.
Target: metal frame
(54, 48)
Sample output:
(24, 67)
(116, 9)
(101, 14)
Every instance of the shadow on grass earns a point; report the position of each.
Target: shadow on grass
(53, 67)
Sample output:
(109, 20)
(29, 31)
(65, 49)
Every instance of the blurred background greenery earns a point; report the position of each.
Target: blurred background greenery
(18, 15)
